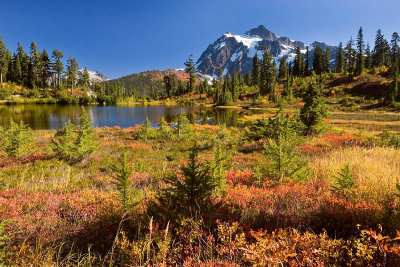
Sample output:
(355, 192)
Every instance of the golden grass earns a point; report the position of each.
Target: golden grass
(375, 170)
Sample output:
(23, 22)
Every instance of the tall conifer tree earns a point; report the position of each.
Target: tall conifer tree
(368, 57)
(268, 74)
(350, 57)
(3, 57)
(327, 60)
(190, 69)
(360, 52)
(58, 66)
(319, 60)
(339, 59)
(256, 71)
(307, 62)
(395, 49)
(283, 69)
(46, 68)
(298, 69)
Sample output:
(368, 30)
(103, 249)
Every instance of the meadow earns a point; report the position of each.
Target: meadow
(58, 209)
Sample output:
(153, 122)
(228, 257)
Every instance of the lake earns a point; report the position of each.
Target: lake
(54, 116)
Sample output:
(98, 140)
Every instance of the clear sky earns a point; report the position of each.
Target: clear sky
(119, 37)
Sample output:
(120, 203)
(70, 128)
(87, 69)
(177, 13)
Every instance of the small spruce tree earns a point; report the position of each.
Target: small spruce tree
(344, 180)
(163, 129)
(85, 143)
(128, 195)
(16, 139)
(182, 127)
(146, 131)
(121, 181)
(73, 143)
(190, 195)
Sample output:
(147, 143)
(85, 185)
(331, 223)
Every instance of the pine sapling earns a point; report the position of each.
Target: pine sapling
(16, 139)
(121, 181)
(164, 129)
(344, 180)
(182, 127)
(189, 194)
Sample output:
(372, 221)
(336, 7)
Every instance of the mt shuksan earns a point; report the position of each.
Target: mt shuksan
(233, 52)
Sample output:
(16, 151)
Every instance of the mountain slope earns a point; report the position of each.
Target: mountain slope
(233, 52)
(149, 82)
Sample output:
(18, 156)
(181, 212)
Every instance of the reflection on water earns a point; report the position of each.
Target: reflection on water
(54, 116)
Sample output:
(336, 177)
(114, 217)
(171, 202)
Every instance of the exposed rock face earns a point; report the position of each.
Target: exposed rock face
(233, 52)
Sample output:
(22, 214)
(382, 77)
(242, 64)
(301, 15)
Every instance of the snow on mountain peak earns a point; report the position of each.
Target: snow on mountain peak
(234, 52)
(248, 41)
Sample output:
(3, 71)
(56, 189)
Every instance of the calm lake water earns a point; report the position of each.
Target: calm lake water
(50, 116)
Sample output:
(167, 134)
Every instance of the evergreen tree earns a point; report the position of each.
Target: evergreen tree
(170, 84)
(395, 49)
(188, 196)
(72, 72)
(298, 68)
(85, 143)
(164, 129)
(24, 65)
(360, 63)
(268, 74)
(58, 66)
(181, 88)
(17, 70)
(281, 148)
(241, 80)
(394, 94)
(121, 181)
(226, 97)
(3, 59)
(204, 88)
(283, 69)
(339, 59)
(350, 57)
(247, 79)
(235, 86)
(16, 139)
(182, 127)
(85, 79)
(319, 60)
(146, 131)
(256, 71)
(368, 57)
(73, 143)
(381, 53)
(7, 65)
(35, 66)
(344, 180)
(288, 89)
(190, 69)
(314, 110)
(46, 69)
(307, 62)
(327, 57)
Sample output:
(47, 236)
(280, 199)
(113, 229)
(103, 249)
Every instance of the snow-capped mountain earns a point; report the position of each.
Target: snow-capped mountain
(233, 52)
(94, 76)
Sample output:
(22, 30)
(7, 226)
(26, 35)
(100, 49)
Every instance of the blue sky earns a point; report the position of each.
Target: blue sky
(124, 37)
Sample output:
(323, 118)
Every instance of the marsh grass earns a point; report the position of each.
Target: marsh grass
(375, 170)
